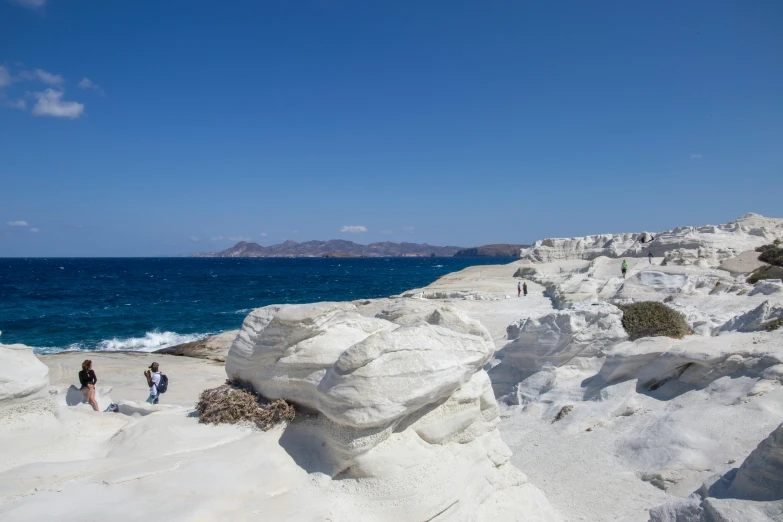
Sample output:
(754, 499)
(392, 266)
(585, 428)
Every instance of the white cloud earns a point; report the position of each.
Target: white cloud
(263, 234)
(409, 229)
(86, 83)
(194, 238)
(696, 156)
(35, 230)
(5, 77)
(18, 104)
(217, 238)
(50, 104)
(18, 224)
(353, 228)
(238, 238)
(49, 78)
(32, 4)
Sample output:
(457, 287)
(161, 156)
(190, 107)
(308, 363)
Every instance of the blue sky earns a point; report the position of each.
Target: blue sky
(161, 128)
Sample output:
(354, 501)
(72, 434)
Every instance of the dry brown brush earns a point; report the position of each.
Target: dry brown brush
(236, 402)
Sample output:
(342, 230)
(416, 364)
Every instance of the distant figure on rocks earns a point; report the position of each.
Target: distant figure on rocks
(649, 257)
(624, 268)
(88, 379)
(153, 380)
(524, 288)
(519, 289)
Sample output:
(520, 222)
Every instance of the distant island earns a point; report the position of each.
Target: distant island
(343, 248)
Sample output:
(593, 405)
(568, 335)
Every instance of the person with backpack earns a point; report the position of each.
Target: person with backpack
(624, 268)
(157, 382)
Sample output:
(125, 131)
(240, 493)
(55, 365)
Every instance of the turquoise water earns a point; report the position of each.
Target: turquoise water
(150, 303)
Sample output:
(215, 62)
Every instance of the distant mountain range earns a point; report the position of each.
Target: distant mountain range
(343, 248)
(499, 250)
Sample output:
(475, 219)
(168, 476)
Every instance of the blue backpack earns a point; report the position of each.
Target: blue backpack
(163, 385)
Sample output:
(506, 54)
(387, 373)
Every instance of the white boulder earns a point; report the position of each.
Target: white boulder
(402, 405)
(22, 376)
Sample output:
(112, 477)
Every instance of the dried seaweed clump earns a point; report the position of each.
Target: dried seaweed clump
(651, 319)
(236, 402)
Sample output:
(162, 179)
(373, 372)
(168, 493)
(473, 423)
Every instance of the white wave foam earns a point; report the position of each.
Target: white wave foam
(151, 341)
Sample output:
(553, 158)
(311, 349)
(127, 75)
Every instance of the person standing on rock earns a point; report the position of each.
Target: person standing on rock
(624, 268)
(153, 380)
(519, 289)
(649, 257)
(88, 379)
(524, 288)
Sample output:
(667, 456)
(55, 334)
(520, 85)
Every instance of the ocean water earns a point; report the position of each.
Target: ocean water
(150, 303)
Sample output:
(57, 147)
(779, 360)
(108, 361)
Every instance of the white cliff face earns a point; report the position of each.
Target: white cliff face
(399, 400)
(707, 245)
(22, 376)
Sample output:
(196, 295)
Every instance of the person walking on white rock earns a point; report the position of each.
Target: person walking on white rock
(153, 381)
(88, 379)
(624, 268)
(524, 288)
(519, 289)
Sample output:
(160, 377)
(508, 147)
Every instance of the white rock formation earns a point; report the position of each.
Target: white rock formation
(22, 376)
(401, 400)
(752, 493)
(760, 318)
(707, 245)
(586, 330)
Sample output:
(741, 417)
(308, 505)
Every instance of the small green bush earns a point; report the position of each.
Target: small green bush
(771, 254)
(651, 319)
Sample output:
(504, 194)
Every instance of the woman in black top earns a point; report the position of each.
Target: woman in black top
(88, 379)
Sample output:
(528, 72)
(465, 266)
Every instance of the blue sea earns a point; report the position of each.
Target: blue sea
(150, 303)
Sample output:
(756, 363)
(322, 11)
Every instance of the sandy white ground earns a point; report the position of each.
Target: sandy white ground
(472, 403)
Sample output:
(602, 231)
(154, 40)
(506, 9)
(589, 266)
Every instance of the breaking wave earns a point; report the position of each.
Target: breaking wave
(151, 341)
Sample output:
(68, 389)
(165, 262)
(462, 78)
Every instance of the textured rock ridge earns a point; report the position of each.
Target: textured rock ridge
(707, 245)
(395, 397)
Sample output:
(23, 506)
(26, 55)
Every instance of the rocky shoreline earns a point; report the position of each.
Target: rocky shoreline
(456, 401)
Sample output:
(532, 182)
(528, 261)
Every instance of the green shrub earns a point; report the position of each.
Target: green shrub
(771, 254)
(651, 319)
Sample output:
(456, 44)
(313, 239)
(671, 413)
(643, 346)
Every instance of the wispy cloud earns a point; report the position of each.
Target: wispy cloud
(217, 238)
(36, 230)
(49, 78)
(194, 238)
(263, 234)
(353, 228)
(5, 77)
(18, 224)
(409, 230)
(696, 156)
(30, 4)
(16, 104)
(238, 238)
(86, 83)
(50, 103)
